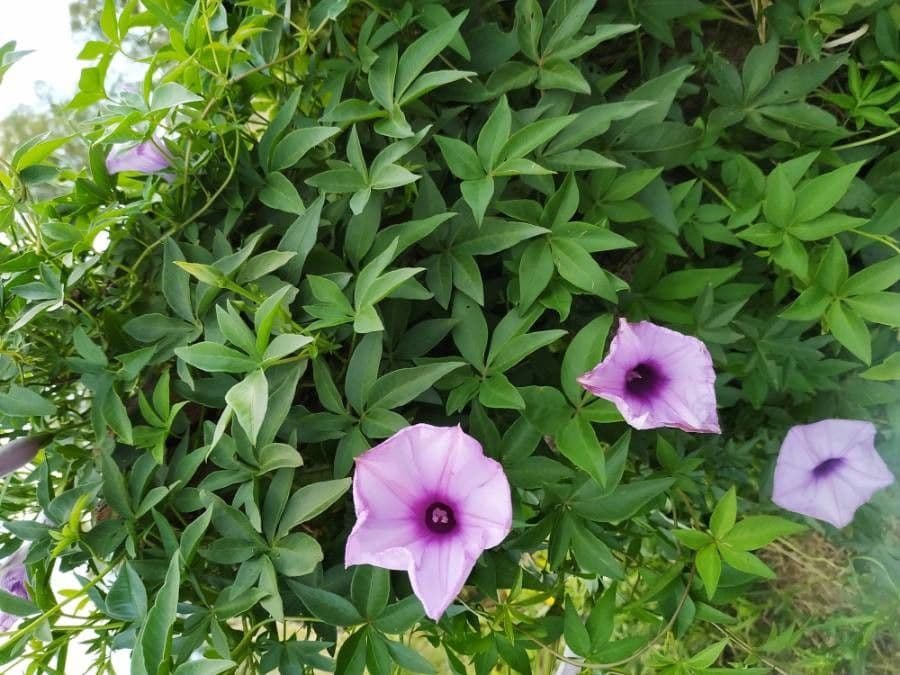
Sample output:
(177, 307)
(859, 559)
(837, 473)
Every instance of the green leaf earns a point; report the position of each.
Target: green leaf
(818, 195)
(850, 331)
(329, 607)
(249, 399)
(205, 667)
(279, 193)
(22, 402)
(293, 147)
(402, 386)
(310, 501)
(886, 371)
(533, 135)
(583, 354)
(578, 442)
(478, 194)
(409, 659)
(362, 370)
(114, 488)
(745, 562)
(757, 531)
(493, 135)
(579, 268)
(724, 515)
(498, 392)
(529, 24)
(400, 616)
(535, 272)
(780, 201)
(623, 502)
(881, 308)
(692, 539)
(154, 640)
(873, 278)
(593, 555)
(296, 554)
(212, 357)
(709, 567)
(370, 590)
(461, 158)
(170, 95)
(423, 51)
(576, 634)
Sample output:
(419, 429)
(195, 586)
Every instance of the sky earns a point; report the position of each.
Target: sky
(41, 25)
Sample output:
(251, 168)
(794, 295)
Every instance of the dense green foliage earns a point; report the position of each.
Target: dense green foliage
(387, 212)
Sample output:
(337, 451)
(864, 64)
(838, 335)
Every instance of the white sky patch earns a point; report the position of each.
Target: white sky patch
(43, 26)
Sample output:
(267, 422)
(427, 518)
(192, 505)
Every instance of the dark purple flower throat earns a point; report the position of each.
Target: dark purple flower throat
(439, 518)
(827, 467)
(644, 380)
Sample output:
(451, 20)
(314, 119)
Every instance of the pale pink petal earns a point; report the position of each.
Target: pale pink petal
(440, 573)
(384, 543)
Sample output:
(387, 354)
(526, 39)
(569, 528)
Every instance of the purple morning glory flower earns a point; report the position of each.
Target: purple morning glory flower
(16, 454)
(429, 502)
(657, 378)
(829, 469)
(146, 157)
(12, 580)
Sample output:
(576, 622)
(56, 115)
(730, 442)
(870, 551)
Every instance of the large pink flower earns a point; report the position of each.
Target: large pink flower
(829, 469)
(657, 378)
(429, 502)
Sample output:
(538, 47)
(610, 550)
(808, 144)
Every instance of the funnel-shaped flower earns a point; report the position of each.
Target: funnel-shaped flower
(16, 454)
(429, 502)
(657, 378)
(12, 580)
(146, 157)
(829, 469)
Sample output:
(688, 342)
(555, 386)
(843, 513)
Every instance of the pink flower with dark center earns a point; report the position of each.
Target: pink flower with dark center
(829, 469)
(429, 502)
(147, 157)
(657, 378)
(12, 580)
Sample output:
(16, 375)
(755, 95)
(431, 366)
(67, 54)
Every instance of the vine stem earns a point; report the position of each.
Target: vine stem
(866, 141)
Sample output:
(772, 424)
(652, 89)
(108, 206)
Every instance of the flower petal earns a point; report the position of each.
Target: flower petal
(440, 573)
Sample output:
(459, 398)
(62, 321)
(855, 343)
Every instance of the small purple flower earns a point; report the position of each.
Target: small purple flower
(829, 469)
(12, 580)
(657, 378)
(429, 502)
(146, 157)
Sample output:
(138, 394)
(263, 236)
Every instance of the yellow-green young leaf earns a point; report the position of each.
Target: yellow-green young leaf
(709, 567)
(724, 515)
(755, 532)
(883, 307)
(693, 539)
(850, 331)
(888, 370)
(745, 561)
(818, 195)
(780, 201)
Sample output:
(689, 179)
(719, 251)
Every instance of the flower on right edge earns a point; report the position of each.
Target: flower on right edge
(12, 580)
(829, 469)
(657, 377)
